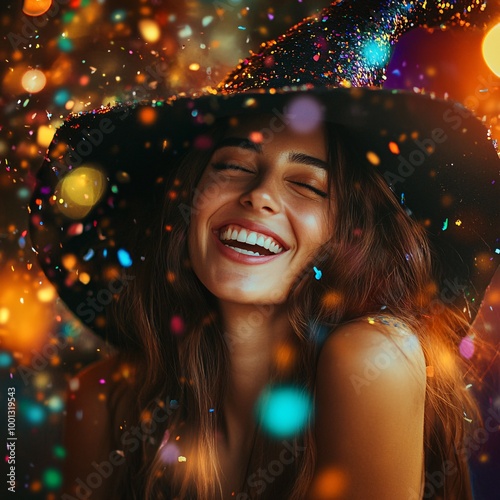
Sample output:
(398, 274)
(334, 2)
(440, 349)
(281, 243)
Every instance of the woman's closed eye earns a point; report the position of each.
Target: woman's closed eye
(315, 190)
(231, 166)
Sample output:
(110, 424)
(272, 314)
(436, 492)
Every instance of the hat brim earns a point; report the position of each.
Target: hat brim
(435, 155)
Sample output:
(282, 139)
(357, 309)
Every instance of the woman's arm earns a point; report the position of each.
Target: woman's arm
(370, 398)
(91, 468)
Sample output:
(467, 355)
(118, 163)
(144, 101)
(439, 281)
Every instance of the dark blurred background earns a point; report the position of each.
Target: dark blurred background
(62, 56)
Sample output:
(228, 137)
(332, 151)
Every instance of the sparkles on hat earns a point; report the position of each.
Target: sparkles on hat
(105, 170)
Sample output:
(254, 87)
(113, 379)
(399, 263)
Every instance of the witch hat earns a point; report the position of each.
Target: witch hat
(105, 171)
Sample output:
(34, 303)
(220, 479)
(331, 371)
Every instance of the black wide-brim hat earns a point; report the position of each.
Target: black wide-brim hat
(105, 171)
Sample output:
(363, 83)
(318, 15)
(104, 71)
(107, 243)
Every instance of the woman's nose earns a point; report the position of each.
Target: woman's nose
(263, 196)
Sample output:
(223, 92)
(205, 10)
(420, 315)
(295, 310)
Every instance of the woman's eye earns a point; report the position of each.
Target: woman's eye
(222, 166)
(311, 188)
(230, 166)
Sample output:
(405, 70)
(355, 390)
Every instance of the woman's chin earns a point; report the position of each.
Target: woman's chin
(248, 297)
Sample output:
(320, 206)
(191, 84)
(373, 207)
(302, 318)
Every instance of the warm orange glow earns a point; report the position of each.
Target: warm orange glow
(149, 30)
(36, 7)
(147, 116)
(4, 315)
(373, 158)
(84, 278)
(25, 321)
(394, 148)
(329, 484)
(256, 137)
(483, 261)
(331, 300)
(285, 356)
(44, 135)
(46, 294)
(491, 54)
(69, 261)
(33, 81)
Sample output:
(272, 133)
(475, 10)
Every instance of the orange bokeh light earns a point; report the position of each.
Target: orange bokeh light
(26, 320)
(36, 7)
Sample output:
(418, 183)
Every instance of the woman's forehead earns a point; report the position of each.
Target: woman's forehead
(248, 124)
(266, 128)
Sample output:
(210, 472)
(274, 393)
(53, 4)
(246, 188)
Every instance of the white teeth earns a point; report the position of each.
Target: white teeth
(273, 248)
(250, 238)
(242, 237)
(241, 250)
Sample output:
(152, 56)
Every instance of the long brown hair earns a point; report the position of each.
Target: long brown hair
(378, 260)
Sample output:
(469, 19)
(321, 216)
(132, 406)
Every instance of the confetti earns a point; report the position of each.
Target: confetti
(317, 273)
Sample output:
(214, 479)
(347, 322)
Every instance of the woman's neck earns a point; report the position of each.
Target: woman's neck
(254, 335)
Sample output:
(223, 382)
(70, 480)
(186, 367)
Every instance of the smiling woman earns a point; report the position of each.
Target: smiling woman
(287, 328)
(274, 196)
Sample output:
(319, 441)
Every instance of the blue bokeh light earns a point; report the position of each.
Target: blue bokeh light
(283, 411)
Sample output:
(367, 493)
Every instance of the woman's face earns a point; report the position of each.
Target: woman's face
(260, 212)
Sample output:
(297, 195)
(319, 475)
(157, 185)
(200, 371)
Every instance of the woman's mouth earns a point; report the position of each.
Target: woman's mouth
(248, 242)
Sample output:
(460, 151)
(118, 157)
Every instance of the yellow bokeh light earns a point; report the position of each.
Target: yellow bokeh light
(36, 7)
(69, 261)
(33, 81)
(46, 294)
(80, 190)
(44, 135)
(41, 380)
(4, 315)
(373, 158)
(491, 54)
(149, 30)
(84, 278)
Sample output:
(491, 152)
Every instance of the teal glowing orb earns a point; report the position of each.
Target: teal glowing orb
(376, 53)
(284, 411)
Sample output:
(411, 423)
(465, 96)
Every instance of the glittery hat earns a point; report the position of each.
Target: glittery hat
(105, 171)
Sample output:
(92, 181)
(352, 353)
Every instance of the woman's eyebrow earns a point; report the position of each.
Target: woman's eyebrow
(307, 160)
(293, 157)
(239, 142)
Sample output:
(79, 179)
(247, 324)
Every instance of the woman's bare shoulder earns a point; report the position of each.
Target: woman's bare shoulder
(384, 341)
(370, 401)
